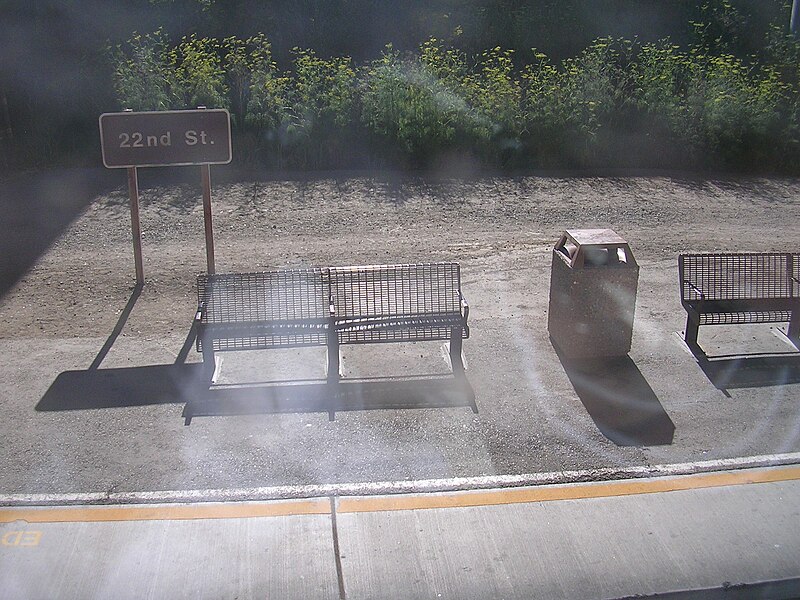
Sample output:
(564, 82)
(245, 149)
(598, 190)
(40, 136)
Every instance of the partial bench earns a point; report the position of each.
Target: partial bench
(399, 303)
(725, 289)
(252, 311)
(330, 307)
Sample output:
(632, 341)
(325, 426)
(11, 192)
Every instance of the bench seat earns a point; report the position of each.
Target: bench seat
(404, 328)
(256, 335)
(732, 312)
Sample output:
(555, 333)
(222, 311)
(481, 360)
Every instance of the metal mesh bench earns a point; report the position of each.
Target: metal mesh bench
(332, 306)
(729, 289)
(251, 311)
(400, 303)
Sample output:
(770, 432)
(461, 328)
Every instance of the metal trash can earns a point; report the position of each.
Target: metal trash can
(593, 285)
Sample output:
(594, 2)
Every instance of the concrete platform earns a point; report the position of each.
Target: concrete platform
(733, 534)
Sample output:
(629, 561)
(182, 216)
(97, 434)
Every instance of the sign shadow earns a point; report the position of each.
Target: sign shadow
(619, 400)
(96, 388)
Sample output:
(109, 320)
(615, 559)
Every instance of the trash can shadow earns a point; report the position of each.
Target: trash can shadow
(619, 400)
(593, 286)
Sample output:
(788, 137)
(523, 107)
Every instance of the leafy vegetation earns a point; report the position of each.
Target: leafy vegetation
(710, 97)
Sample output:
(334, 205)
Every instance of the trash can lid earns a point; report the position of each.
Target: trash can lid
(596, 237)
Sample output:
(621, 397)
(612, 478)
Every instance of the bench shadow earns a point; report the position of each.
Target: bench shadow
(188, 384)
(619, 400)
(320, 396)
(751, 371)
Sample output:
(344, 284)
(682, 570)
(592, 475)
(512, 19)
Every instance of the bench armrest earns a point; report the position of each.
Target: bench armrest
(695, 288)
(464, 306)
(201, 308)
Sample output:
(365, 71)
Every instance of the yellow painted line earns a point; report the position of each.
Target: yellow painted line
(565, 492)
(354, 504)
(241, 510)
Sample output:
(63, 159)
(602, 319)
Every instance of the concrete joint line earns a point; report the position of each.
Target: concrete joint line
(336, 553)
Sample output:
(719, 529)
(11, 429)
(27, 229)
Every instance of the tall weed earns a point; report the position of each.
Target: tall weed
(200, 74)
(408, 107)
(143, 76)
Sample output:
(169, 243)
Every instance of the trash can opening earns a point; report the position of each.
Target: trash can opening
(597, 257)
(568, 249)
(601, 257)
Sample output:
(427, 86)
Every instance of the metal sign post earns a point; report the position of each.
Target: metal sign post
(136, 228)
(166, 138)
(205, 176)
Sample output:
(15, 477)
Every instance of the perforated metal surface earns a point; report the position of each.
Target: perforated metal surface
(740, 288)
(269, 309)
(290, 294)
(397, 302)
(288, 308)
(752, 316)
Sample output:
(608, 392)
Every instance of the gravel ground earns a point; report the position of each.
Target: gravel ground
(71, 427)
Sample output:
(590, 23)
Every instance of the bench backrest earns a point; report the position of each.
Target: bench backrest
(396, 290)
(284, 295)
(743, 276)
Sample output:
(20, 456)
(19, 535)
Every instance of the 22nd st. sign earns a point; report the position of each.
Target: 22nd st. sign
(175, 137)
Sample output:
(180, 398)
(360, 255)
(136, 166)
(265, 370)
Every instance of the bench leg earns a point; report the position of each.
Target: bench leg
(692, 327)
(455, 352)
(333, 356)
(187, 415)
(793, 332)
(209, 358)
(209, 363)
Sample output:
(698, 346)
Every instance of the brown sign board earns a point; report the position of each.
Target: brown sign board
(161, 138)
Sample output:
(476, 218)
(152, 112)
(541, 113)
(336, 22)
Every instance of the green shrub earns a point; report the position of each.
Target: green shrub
(495, 91)
(486, 97)
(570, 110)
(719, 28)
(324, 90)
(321, 103)
(659, 78)
(406, 105)
(617, 103)
(659, 74)
(733, 110)
(143, 77)
(200, 74)
(268, 104)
